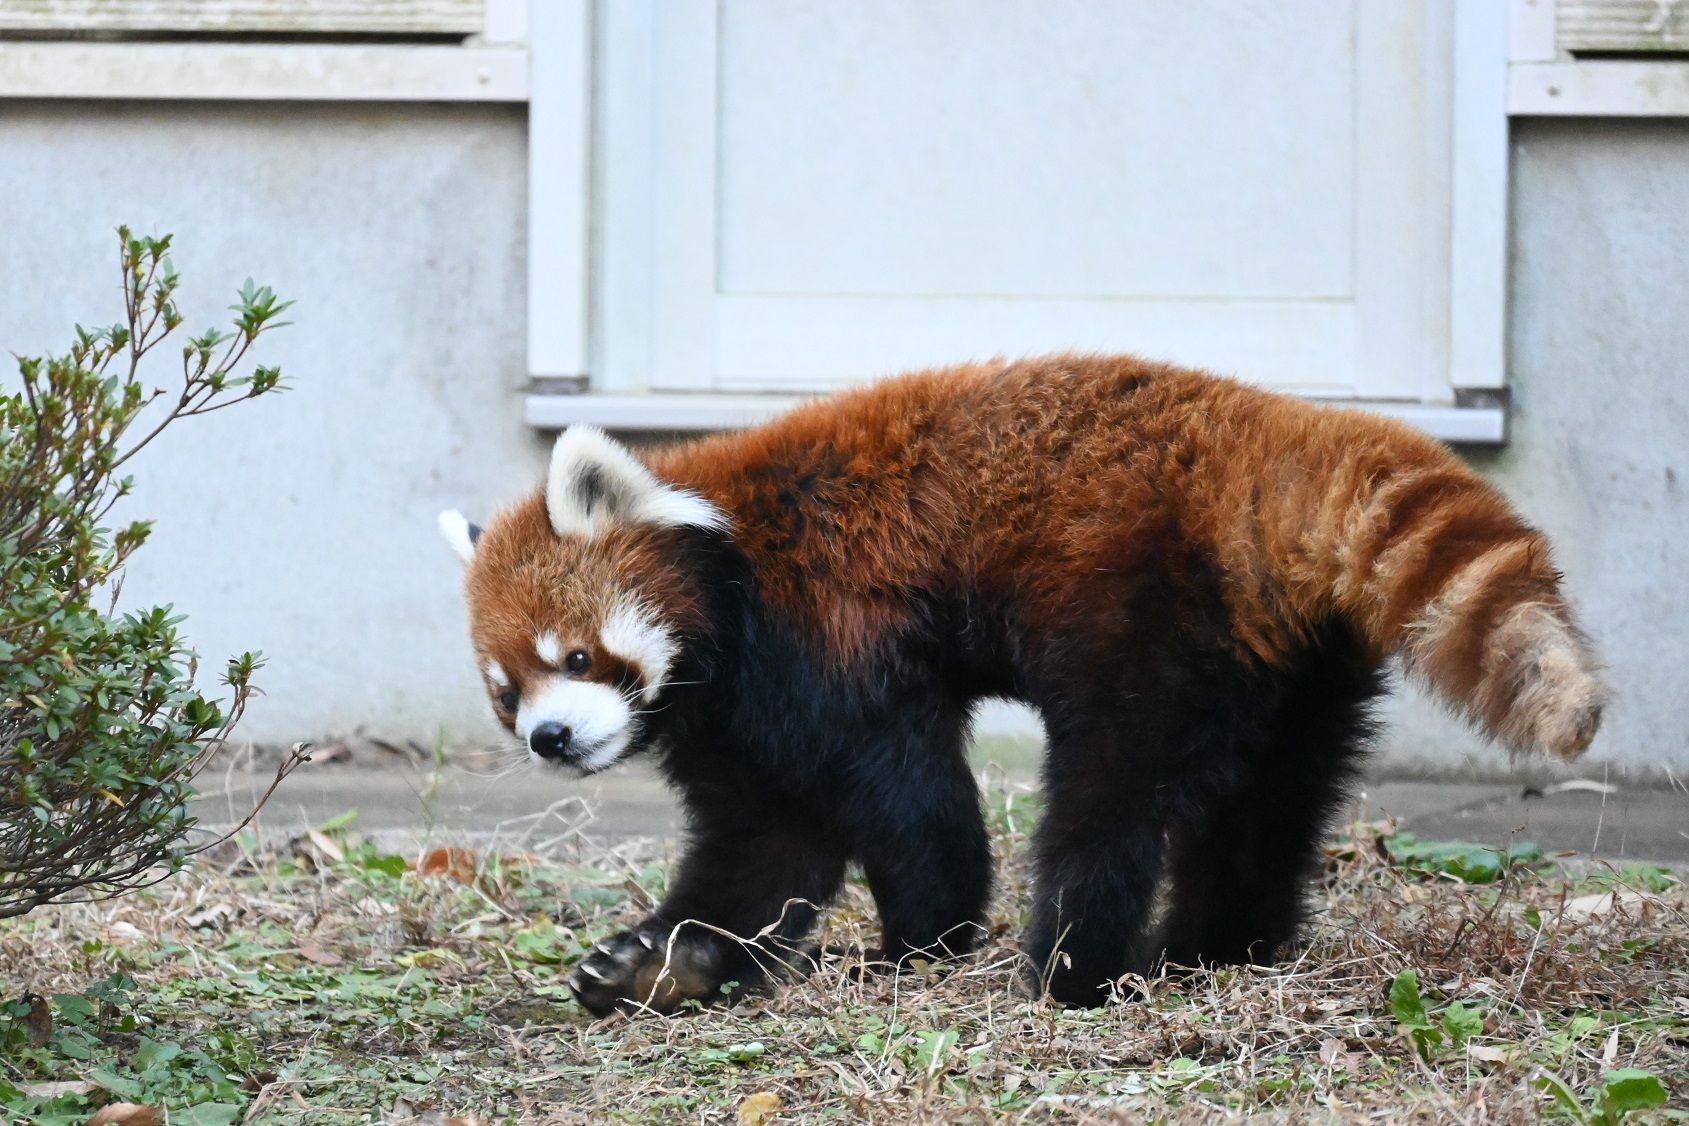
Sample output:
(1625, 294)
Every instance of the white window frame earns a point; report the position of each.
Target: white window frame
(1467, 404)
(1545, 80)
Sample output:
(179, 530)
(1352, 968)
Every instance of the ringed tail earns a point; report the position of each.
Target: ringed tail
(1430, 561)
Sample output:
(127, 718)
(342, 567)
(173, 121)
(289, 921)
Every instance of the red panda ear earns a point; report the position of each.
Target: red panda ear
(595, 482)
(460, 533)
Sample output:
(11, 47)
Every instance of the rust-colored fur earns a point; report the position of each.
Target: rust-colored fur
(1029, 477)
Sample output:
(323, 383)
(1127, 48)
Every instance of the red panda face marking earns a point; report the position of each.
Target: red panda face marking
(578, 601)
(633, 632)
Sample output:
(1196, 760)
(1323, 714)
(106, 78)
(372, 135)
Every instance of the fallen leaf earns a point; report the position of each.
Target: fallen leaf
(330, 752)
(1487, 1053)
(1335, 1054)
(127, 1114)
(37, 1020)
(326, 845)
(1604, 903)
(759, 1109)
(311, 952)
(458, 863)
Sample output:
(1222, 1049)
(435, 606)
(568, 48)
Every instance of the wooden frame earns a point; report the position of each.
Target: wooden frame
(491, 65)
(263, 72)
(382, 17)
(1637, 26)
(1545, 78)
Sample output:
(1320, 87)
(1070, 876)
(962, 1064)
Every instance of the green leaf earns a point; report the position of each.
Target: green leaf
(207, 1114)
(152, 1054)
(74, 1008)
(1548, 1081)
(931, 1048)
(387, 865)
(1463, 860)
(1405, 1001)
(118, 1085)
(1461, 1023)
(1411, 1019)
(1628, 1089)
(340, 822)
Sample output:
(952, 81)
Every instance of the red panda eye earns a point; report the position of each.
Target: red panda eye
(578, 661)
(508, 701)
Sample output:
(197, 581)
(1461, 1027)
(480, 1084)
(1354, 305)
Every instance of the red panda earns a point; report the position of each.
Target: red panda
(1196, 583)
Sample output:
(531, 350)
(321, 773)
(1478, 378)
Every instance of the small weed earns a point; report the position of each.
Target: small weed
(1453, 1025)
(1619, 1094)
(1461, 860)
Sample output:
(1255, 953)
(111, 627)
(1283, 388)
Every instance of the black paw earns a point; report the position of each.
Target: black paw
(1069, 987)
(650, 968)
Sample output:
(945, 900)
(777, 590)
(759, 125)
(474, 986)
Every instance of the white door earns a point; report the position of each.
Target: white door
(796, 194)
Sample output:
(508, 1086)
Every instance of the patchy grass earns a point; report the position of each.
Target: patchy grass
(337, 983)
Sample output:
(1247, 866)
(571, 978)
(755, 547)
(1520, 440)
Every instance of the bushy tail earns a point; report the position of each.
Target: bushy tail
(1435, 564)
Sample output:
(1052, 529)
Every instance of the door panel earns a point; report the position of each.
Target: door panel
(800, 193)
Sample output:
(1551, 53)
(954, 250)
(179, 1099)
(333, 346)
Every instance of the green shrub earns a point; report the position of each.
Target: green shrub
(101, 727)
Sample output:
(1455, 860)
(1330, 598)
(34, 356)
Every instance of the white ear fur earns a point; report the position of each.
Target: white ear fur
(459, 533)
(595, 482)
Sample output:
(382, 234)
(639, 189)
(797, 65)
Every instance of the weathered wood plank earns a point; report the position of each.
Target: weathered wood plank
(381, 17)
(1598, 89)
(1623, 25)
(264, 71)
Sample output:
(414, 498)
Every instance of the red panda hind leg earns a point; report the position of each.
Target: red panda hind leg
(1237, 763)
(1241, 864)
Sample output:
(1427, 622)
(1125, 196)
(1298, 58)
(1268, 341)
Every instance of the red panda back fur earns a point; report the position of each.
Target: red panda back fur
(1033, 476)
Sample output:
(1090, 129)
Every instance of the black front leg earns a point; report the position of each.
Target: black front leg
(746, 891)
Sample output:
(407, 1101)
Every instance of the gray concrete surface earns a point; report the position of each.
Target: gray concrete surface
(302, 524)
(402, 803)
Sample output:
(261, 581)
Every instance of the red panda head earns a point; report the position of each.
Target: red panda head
(578, 600)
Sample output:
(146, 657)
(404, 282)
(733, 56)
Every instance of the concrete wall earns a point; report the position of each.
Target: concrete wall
(303, 525)
(1599, 449)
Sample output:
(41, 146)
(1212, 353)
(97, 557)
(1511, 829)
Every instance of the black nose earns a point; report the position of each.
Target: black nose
(549, 740)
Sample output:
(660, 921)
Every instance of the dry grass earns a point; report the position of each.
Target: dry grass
(333, 989)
